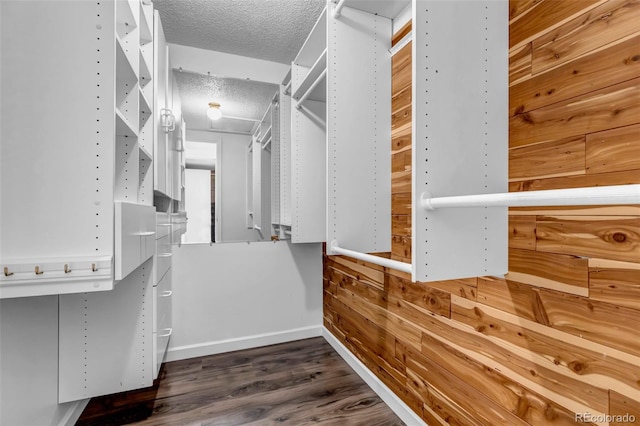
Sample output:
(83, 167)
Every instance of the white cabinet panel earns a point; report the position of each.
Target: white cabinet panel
(106, 339)
(161, 74)
(162, 320)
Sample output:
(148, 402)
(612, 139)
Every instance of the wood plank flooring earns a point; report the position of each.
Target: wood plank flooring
(296, 383)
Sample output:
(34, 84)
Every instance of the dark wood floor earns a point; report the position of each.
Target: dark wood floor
(297, 383)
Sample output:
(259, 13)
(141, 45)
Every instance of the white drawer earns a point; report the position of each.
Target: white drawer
(163, 224)
(162, 320)
(163, 257)
(162, 296)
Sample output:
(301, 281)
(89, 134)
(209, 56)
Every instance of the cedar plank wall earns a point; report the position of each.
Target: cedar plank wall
(561, 334)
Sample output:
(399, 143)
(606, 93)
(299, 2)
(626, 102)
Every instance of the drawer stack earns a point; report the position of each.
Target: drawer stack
(162, 290)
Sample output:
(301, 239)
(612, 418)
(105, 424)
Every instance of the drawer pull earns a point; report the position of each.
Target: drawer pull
(165, 254)
(166, 293)
(168, 333)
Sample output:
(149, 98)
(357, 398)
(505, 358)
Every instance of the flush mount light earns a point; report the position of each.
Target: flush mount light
(213, 112)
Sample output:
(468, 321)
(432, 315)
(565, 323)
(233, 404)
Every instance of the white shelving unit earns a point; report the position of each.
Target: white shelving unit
(261, 174)
(359, 129)
(162, 290)
(308, 137)
(460, 137)
(459, 124)
(89, 150)
(281, 164)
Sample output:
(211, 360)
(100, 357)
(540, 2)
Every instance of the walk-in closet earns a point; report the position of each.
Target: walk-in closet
(367, 212)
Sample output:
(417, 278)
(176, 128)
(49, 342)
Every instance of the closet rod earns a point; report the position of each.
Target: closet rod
(377, 260)
(338, 9)
(617, 194)
(311, 88)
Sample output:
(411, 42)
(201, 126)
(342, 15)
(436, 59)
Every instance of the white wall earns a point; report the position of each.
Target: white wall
(29, 363)
(238, 295)
(197, 184)
(225, 64)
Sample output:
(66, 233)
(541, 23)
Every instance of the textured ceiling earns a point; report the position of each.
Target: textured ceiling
(238, 98)
(273, 30)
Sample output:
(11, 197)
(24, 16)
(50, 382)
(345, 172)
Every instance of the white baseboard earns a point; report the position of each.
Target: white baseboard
(73, 413)
(247, 342)
(398, 406)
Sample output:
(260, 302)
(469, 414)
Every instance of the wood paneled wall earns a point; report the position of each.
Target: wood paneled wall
(561, 334)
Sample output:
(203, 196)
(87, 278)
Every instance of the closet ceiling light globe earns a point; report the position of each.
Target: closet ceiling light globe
(214, 112)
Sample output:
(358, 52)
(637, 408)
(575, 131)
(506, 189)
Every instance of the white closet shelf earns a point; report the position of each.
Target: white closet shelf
(144, 106)
(126, 20)
(146, 31)
(125, 61)
(145, 69)
(144, 153)
(315, 43)
(266, 138)
(34, 277)
(123, 126)
(310, 81)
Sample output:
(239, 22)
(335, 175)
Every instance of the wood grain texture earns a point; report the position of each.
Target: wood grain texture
(518, 7)
(603, 210)
(617, 286)
(564, 157)
(401, 99)
(602, 25)
(576, 357)
(549, 270)
(519, 404)
(399, 35)
(419, 294)
(620, 405)
(298, 383)
(522, 232)
(605, 323)
(546, 16)
(520, 64)
(603, 109)
(611, 64)
(429, 380)
(401, 69)
(592, 236)
(401, 203)
(614, 150)
(581, 181)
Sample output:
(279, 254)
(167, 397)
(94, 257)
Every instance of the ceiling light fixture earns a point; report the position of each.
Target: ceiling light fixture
(213, 112)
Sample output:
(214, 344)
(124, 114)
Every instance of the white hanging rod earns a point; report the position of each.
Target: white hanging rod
(618, 194)
(310, 89)
(287, 88)
(603, 195)
(338, 9)
(377, 260)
